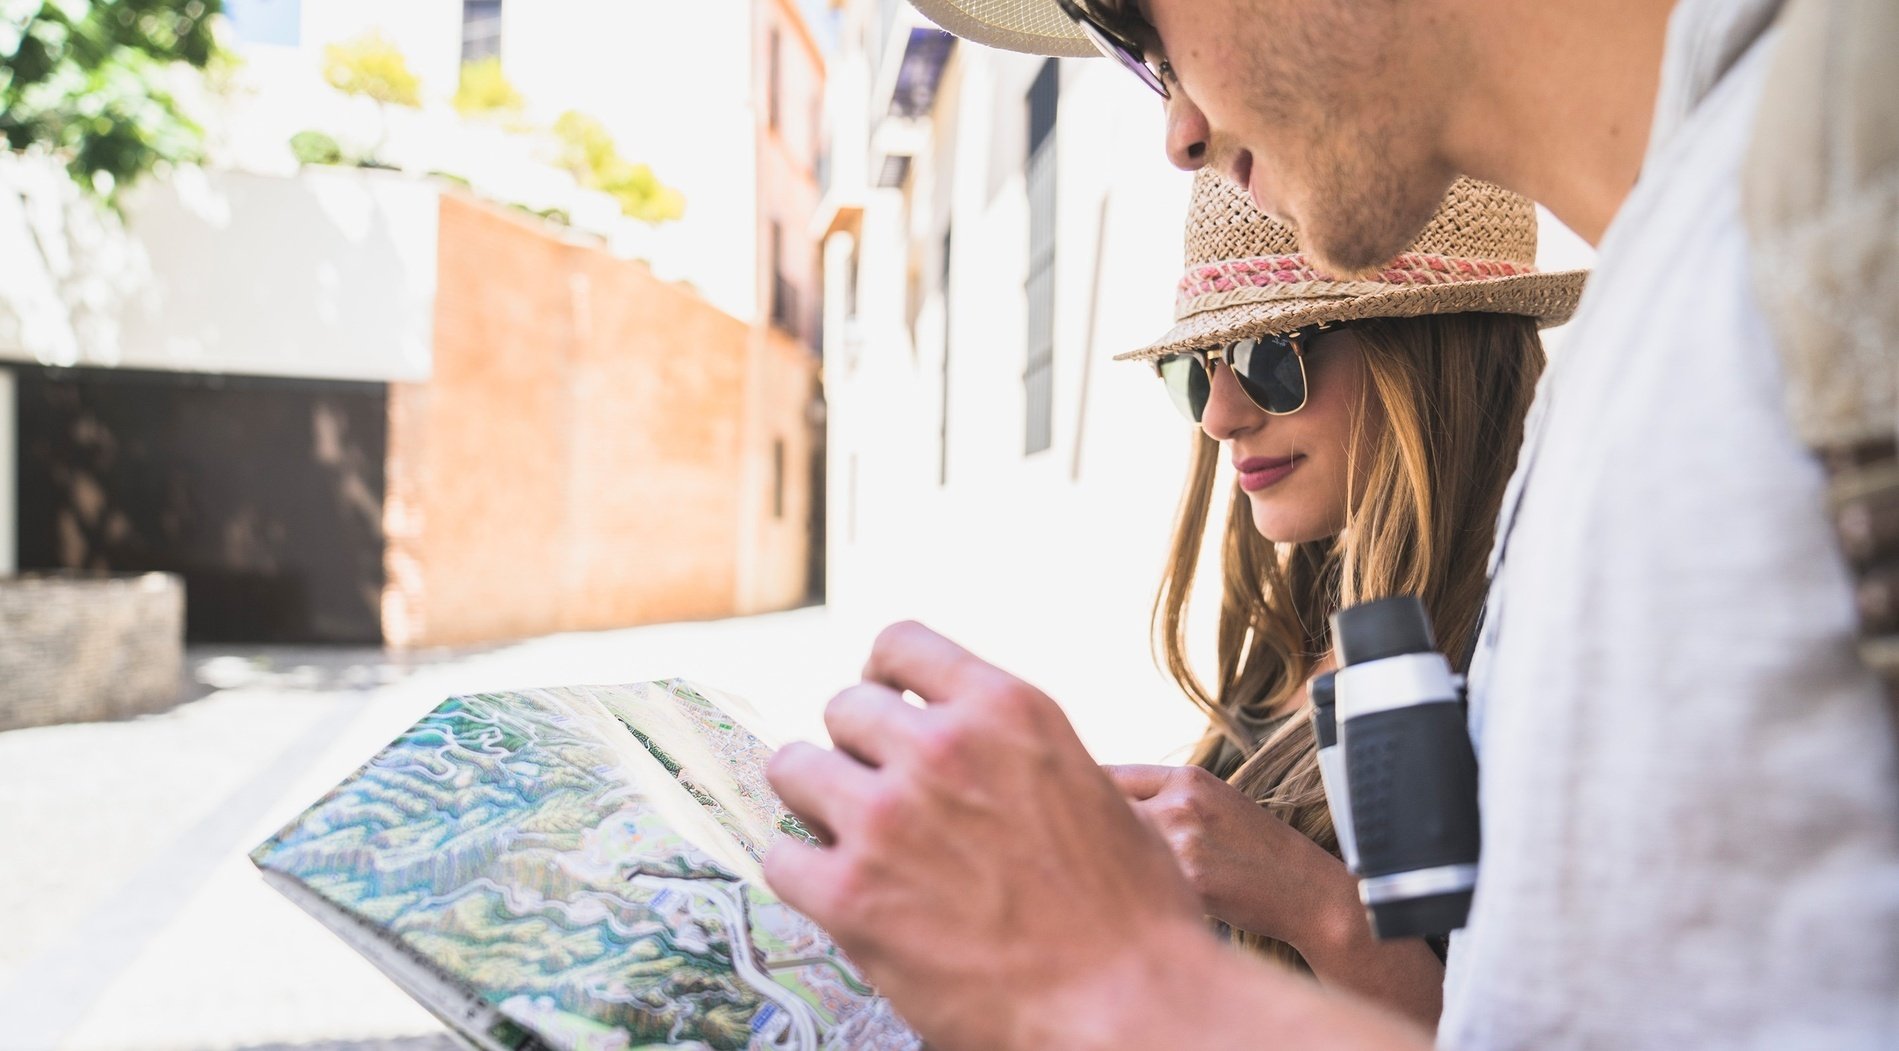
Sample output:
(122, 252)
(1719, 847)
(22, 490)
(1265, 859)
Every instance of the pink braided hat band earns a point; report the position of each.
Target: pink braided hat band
(1267, 277)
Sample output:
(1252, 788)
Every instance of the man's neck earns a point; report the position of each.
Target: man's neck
(1560, 97)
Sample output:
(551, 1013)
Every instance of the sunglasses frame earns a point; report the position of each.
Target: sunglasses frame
(1296, 341)
(1114, 44)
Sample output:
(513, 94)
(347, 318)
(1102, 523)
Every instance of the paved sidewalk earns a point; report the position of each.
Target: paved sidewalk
(132, 920)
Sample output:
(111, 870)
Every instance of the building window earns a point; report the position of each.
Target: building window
(820, 157)
(773, 58)
(816, 317)
(1038, 373)
(266, 21)
(942, 437)
(850, 280)
(778, 478)
(784, 295)
(481, 29)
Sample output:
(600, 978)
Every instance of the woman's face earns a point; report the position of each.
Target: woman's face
(1296, 470)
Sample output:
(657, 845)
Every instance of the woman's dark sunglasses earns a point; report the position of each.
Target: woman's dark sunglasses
(1115, 43)
(1271, 372)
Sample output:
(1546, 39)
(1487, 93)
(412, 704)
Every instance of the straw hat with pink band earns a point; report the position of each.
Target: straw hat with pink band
(1246, 277)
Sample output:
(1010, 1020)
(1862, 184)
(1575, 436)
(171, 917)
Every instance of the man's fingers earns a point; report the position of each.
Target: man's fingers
(909, 656)
(801, 874)
(1139, 781)
(817, 784)
(870, 721)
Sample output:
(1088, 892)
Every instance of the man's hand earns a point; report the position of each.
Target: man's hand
(978, 864)
(1251, 870)
(993, 882)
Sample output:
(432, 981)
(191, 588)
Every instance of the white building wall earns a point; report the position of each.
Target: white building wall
(672, 83)
(328, 274)
(846, 84)
(1044, 563)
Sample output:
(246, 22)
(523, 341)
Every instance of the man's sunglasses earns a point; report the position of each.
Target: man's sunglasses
(1115, 43)
(1271, 372)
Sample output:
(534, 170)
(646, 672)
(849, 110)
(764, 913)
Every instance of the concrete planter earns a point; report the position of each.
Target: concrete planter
(81, 648)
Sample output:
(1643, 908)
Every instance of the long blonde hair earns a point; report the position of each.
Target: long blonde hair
(1454, 390)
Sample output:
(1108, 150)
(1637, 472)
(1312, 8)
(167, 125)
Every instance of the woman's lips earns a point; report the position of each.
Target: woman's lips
(1261, 471)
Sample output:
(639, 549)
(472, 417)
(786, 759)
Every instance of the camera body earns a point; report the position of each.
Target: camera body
(1338, 796)
(1409, 770)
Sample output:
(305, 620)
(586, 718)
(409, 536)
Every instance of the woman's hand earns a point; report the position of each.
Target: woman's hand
(1251, 870)
(1259, 874)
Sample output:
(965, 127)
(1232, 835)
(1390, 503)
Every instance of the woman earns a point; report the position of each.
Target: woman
(1373, 425)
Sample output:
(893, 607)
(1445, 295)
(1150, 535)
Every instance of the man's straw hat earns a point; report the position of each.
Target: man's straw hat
(1246, 276)
(1035, 26)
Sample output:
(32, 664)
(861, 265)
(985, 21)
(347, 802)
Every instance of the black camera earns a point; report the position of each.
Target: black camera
(1338, 796)
(1410, 770)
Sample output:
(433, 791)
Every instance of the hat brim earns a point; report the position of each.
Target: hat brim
(1549, 298)
(1033, 27)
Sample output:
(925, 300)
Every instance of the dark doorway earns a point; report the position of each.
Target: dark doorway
(265, 494)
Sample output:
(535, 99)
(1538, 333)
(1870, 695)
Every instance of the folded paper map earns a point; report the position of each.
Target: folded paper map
(578, 869)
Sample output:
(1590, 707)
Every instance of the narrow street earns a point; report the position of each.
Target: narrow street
(133, 919)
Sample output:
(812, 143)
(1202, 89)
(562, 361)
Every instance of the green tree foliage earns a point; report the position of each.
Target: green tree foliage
(315, 147)
(484, 90)
(589, 152)
(372, 66)
(88, 82)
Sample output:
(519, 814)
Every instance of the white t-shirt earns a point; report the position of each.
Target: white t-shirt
(1689, 787)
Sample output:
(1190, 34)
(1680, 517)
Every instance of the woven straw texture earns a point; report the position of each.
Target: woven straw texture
(1246, 277)
(1036, 27)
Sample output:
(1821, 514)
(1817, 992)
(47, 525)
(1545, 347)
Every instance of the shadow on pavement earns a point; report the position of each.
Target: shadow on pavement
(209, 669)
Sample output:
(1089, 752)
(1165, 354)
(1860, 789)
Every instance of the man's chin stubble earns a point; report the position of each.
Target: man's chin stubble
(1355, 235)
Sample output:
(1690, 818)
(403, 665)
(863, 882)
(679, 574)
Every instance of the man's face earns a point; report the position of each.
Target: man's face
(1327, 111)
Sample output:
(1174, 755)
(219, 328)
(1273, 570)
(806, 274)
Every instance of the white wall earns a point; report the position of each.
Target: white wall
(671, 82)
(328, 274)
(1047, 563)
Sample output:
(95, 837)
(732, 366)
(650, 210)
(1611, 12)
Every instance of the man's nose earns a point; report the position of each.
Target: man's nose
(1187, 132)
(1229, 412)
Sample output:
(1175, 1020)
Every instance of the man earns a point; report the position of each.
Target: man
(1689, 789)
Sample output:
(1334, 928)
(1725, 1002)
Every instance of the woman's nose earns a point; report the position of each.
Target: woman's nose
(1187, 132)
(1229, 412)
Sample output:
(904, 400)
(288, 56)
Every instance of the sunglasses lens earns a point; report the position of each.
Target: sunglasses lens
(1130, 59)
(1270, 372)
(1187, 384)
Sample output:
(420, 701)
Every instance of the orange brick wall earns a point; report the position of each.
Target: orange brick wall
(578, 458)
(778, 577)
